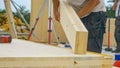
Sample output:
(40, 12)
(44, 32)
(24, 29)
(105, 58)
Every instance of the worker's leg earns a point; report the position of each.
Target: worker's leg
(117, 34)
(95, 23)
(117, 37)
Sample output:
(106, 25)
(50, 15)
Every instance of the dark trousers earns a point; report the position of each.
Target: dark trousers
(117, 32)
(95, 24)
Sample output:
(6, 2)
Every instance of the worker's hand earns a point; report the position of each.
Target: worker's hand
(113, 7)
(57, 15)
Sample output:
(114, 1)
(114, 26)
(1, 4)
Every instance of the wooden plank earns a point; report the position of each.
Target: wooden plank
(35, 7)
(22, 53)
(75, 31)
(10, 19)
(23, 48)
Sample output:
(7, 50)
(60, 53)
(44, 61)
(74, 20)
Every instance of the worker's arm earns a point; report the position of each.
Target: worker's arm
(114, 5)
(55, 9)
(88, 7)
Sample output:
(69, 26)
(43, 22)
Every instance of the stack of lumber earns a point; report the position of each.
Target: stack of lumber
(18, 24)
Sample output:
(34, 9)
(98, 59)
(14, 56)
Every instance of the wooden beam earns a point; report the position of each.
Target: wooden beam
(10, 19)
(75, 31)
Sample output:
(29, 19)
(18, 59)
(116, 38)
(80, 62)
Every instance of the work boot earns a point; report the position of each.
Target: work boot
(116, 51)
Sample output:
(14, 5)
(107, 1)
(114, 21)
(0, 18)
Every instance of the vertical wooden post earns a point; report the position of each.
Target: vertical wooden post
(10, 19)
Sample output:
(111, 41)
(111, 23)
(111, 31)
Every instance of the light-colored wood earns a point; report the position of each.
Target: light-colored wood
(23, 48)
(107, 62)
(21, 53)
(41, 30)
(112, 29)
(35, 7)
(75, 31)
(10, 19)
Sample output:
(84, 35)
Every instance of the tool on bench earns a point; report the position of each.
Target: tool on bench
(5, 39)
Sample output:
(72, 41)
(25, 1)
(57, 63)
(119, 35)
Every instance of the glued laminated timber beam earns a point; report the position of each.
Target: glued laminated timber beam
(74, 29)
